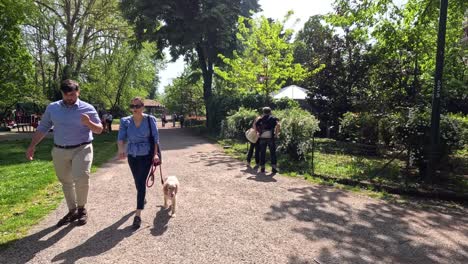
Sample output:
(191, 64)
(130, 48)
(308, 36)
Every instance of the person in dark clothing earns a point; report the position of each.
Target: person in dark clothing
(269, 128)
(163, 119)
(254, 147)
(181, 120)
(109, 120)
(174, 119)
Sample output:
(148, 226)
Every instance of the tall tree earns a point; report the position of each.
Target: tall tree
(196, 29)
(118, 73)
(16, 69)
(403, 47)
(266, 60)
(338, 87)
(185, 94)
(77, 29)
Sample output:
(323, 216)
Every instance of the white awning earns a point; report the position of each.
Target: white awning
(292, 92)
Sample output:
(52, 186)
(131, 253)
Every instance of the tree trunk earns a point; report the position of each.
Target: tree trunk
(206, 66)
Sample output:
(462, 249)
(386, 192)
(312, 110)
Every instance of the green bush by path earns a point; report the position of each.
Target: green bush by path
(235, 125)
(30, 190)
(297, 129)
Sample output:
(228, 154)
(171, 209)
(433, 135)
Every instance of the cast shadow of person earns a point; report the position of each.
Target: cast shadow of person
(374, 231)
(101, 242)
(160, 221)
(256, 175)
(23, 250)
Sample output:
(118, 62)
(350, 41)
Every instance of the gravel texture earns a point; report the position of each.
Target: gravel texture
(227, 213)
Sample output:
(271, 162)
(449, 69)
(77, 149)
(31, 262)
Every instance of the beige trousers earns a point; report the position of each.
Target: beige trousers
(73, 167)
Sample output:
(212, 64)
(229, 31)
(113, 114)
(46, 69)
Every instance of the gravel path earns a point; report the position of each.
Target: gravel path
(230, 214)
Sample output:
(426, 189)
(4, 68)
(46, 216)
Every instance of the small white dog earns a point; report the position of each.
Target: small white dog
(170, 188)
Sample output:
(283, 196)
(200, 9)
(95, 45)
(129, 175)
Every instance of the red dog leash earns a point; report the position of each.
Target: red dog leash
(150, 178)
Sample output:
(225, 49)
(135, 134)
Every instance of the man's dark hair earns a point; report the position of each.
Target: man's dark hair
(266, 110)
(69, 86)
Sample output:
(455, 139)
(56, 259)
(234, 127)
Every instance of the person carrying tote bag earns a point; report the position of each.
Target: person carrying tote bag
(269, 127)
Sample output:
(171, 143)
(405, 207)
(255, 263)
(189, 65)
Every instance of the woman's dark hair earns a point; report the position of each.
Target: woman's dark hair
(69, 86)
(266, 110)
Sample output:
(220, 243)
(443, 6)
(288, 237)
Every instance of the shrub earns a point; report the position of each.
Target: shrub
(235, 125)
(219, 106)
(359, 128)
(462, 120)
(297, 130)
(253, 101)
(284, 103)
(414, 134)
(387, 125)
(257, 101)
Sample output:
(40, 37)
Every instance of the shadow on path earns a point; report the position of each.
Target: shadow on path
(380, 231)
(160, 221)
(101, 242)
(23, 250)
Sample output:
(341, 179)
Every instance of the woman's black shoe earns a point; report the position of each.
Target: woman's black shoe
(137, 222)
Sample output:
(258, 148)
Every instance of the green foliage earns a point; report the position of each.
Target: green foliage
(219, 106)
(382, 59)
(266, 61)
(414, 134)
(462, 121)
(65, 37)
(337, 88)
(257, 101)
(197, 30)
(297, 130)
(235, 125)
(284, 103)
(359, 127)
(16, 69)
(387, 125)
(185, 95)
(116, 77)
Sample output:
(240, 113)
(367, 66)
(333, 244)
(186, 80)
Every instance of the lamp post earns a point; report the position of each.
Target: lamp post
(435, 117)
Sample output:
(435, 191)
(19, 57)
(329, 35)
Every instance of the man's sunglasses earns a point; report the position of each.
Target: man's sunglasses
(137, 106)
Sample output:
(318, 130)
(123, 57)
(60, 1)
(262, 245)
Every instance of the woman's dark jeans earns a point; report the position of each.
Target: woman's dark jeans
(140, 166)
(263, 144)
(253, 146)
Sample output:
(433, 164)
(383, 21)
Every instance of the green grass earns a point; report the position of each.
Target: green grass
(339, 161)
(339, 165)
(30, 190)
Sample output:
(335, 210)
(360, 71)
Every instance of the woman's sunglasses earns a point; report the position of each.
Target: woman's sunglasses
(137, 106)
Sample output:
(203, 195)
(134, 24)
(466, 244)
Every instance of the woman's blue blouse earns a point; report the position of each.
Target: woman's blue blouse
(137, 138)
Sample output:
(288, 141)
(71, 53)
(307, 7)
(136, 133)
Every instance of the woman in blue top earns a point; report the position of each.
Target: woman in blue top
(135, 131)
